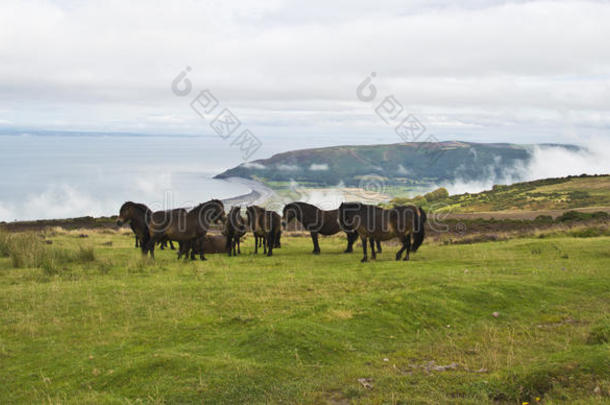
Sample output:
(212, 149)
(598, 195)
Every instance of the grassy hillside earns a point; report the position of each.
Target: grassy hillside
(548, 194)
(415, 165)
(85, 320)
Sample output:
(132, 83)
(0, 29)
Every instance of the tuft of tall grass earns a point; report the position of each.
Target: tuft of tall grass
(4, 244)
(29, 250)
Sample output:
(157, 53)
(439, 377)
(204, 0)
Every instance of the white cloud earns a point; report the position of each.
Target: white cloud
(253, 165)
(402, 170)
(288, 168)
(62, 201)
(318, 167)
(546, 162)
(486, 69)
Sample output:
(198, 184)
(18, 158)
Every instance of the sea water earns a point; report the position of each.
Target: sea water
(60, 176)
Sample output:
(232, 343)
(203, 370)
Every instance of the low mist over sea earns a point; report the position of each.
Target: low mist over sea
(55, 176)
(59, 175)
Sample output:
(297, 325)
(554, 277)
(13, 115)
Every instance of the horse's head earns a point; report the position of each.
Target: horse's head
(251, 216)
(290, 212)
(218, 212)
(125, 213)
(348, 215)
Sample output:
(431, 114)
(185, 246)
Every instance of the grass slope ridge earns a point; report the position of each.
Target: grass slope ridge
(560, 193)
(421, 163)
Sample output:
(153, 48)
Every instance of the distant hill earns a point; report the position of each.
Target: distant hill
(564, 193)
(403, 164)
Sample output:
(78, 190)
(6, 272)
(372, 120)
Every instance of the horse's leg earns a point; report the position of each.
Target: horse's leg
(137, 241)
(180, 249)
(378, 246)
(144, 245)
(316, 245)
(229, 243)
(193, 244)
(364, 258)
(373, 253)
(201, 256)
(234, 245)
(238, 246)
(265, 244)
(406, 241)
(150, 246)
(402, 249)
(255, 244)
(270, 242)
(187, 249)
(171, 245)
(351, 238)
(231, 246)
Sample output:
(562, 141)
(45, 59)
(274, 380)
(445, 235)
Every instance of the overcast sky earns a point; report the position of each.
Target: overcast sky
(511, 71)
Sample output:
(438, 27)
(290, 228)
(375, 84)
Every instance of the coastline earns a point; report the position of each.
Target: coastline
(258, 195)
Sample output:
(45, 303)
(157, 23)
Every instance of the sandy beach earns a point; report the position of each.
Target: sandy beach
(258, 195)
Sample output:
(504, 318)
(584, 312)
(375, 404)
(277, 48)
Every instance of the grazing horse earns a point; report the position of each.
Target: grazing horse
(184, 226)
(137, 215)
(207, 244)
(375, 223)
(235, 228)
(266, 225)
(318, 222)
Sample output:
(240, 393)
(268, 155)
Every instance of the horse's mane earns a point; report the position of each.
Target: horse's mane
(138, 206)
(357, 206)
(141, 207)
(304, 204)
(235, 213)
(301, 207)
(255, 208)
(351, 205)
(211, 202)
(418, 237)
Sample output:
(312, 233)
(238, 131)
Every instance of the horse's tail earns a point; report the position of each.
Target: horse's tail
(419, 234)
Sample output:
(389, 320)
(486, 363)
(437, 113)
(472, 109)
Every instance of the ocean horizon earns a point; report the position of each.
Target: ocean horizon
(62, 175)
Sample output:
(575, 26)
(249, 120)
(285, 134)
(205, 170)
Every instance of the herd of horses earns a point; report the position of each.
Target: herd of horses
(189, 228)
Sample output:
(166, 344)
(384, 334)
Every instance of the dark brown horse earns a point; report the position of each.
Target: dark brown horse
(264, 224)
(136, 215)
(318, 222)
(375, 223)
(184, 226)
(235, 228)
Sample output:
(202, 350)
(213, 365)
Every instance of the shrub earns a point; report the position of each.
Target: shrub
(573, 216)
(544, 219)
(437, 194)
(583, 216)
(578, 195)
(599, 334)
(589, 232)
(601, 215)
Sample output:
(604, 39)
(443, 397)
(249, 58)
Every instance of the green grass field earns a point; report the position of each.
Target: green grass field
(101, 325)
(562, 193)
